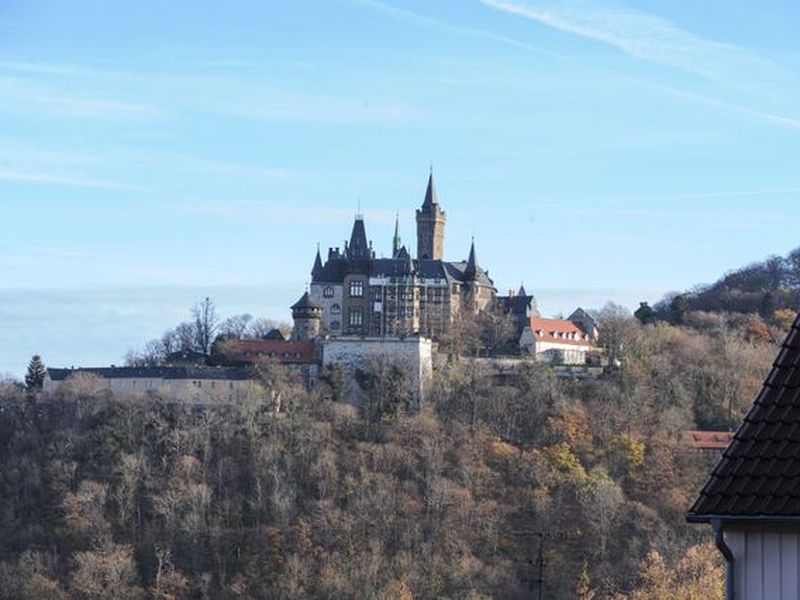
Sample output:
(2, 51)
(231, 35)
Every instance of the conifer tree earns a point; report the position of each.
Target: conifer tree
(34, 378)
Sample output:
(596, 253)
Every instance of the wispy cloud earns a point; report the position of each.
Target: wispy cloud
(48, 89)
(419, 19)
(659, 199)
(65, 180)
(780, 120)
(27, 95)
(274, 212)
(648, 37)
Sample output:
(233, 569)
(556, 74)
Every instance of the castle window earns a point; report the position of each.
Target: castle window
(356, 317)
(328, 292)
(357, 289)
(336, 309)
(335, 325)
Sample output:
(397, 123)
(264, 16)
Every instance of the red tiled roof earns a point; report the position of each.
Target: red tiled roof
(262, 351)
(559, 331)
(707, 440)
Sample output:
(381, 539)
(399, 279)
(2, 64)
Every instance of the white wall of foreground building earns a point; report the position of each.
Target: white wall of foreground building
(414, 353)
(766, 561)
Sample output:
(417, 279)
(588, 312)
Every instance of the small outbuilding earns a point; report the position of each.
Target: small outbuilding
(752, 498)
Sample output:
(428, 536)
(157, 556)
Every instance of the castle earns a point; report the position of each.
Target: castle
(360, 308)
(354, 293)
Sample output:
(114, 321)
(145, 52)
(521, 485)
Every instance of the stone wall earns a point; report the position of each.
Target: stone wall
(350, 353)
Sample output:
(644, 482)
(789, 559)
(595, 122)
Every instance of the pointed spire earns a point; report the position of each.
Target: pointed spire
(471, 270)
(430, 194)
(397, 243)
(316, 271)
(358, 246)
(522, 291)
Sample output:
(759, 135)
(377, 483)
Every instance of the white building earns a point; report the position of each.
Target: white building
(188, 384)
(558, 341)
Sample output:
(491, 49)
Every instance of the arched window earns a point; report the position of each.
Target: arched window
(336, 309)
(328, 291)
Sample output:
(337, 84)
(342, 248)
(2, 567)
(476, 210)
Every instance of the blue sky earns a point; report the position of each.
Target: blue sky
(152, 153)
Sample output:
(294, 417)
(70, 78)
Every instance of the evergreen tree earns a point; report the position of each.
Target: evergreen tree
(34, 378)
(645, 313)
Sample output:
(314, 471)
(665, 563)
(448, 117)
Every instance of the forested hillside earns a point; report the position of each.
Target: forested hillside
(105, 497)
(769, 288)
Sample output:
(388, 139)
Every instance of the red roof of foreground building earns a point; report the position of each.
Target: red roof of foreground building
(707, 440)
(263, 351)
(559, 331)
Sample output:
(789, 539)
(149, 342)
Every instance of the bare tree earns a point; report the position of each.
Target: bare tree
(206, 323)
(235, 327)
(151, 354)
(259, 328)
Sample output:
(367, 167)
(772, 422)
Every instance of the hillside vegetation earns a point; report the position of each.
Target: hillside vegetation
(106, 497)
(769, 289)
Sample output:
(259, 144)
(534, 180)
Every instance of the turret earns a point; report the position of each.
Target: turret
(307, 316)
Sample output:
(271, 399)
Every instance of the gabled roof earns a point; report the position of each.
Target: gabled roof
(758, 475)
(263, 351)
(455, 272)
(707, 440)
(559, 331)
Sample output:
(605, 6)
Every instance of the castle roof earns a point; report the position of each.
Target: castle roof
(559, 331)
(306, 302)
(517, 304)
(317, 269)
(431, 200)
(758, 476)
(471, 270)
(358, 247)
(263, 351)
(184, 372)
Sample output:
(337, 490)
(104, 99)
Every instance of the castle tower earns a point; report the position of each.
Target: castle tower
(430, 225)
(307, 315)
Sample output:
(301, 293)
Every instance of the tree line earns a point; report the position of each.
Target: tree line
(482, 491)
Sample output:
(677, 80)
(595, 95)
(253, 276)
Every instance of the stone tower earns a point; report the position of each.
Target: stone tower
(307, 315)
(430, 225)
